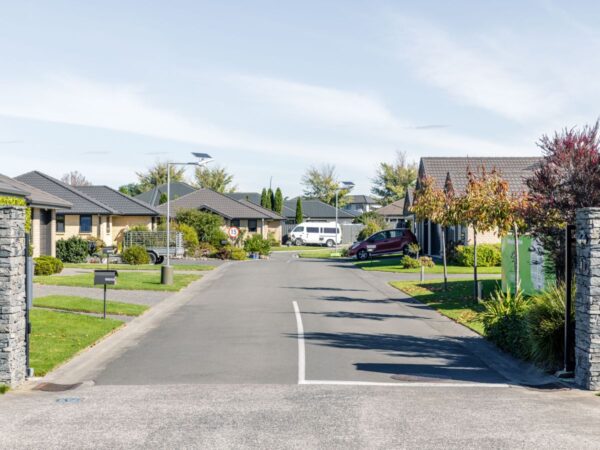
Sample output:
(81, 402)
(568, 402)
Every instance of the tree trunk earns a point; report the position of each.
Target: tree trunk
(517, 268)
(444, 258)
(475, 287)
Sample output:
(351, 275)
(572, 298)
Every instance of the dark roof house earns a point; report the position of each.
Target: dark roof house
(221, 204)
(178, 189)
(515, 170)
(253, 197)
(34, 197)
(121, 203)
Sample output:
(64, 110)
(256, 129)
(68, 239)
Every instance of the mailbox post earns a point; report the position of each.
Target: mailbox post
(370, 250)
(105, 277)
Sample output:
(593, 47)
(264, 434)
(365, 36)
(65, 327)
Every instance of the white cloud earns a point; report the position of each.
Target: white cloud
(479, 73)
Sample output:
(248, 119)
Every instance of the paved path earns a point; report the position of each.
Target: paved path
(223, 365)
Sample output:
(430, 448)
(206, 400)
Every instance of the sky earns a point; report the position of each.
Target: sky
(270, 88)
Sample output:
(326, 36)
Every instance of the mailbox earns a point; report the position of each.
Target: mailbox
(108, 250)
(105, 277)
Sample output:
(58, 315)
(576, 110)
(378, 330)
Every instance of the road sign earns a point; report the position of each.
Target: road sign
(233, 232)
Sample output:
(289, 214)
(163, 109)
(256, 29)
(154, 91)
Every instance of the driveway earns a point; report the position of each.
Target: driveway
(291, 353)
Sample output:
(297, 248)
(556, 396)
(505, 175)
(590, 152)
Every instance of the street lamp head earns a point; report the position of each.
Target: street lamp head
(347, 184)
(202, 155)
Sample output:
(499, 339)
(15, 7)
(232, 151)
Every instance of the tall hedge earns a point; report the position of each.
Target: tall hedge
(299, 214)
(278, 204)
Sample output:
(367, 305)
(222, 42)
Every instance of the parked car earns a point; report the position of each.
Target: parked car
(383, 242)
(316, 233)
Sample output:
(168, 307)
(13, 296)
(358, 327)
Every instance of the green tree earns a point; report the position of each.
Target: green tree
(393, 179)
(321, 183)
(478, 207)
(131, 189)
(157, 175)
(163, 198)
(214, 178)
(263, 198)
(299, 215)
(278, 204)
(207, 225)
(268, 199)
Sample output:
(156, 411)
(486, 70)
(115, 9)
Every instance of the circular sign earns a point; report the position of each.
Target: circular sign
(234, 232)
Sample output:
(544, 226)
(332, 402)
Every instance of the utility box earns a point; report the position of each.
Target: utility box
(106, 277)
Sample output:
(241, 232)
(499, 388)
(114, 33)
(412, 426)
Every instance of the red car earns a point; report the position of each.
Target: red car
(382, 242)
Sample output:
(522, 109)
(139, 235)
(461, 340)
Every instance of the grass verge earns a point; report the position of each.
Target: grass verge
(142, 281)
(4, 389)
(56, 336)
(194, 267)
(392, 264)
(455, 303)
(88, 305)
(321, 254)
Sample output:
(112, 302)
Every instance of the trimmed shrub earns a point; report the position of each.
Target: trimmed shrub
(72, 250)
(43, 267)
(488, 255)
(55, 263)
(409, 263)
(190, 237)
(95, 245)
(257, 244)
(505, 324)
(370, 229)
(204, 250)
(545, 323)
(135, 255)
(217, 237)
(238, 254)
(207, 225)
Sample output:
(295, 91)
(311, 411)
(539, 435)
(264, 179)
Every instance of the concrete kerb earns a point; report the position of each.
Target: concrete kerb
(85, 366)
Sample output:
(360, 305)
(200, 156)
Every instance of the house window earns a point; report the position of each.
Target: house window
(252, 225)
(60, 223)
(85, 224)
(235, 223)
(108, 222)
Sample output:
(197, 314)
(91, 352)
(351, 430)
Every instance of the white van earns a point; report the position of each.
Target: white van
(318, 233)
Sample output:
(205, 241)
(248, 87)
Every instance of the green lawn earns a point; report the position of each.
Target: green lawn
(143, 281)
(456, 303)
(392, 264)
(83, 304)
(200, 267)
(323, 253)
(56, 336)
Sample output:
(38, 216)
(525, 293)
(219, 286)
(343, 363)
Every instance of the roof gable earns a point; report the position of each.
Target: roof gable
(178, 189)
(515, 170)
(220, 204)
(119, 202)
(81, 203)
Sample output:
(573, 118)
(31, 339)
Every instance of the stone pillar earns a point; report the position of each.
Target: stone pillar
(12, 295)
(587, 299)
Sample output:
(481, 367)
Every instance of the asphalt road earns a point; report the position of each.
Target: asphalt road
(290, 353)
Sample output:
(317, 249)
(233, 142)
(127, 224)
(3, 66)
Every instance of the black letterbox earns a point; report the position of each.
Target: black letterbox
(105, 276)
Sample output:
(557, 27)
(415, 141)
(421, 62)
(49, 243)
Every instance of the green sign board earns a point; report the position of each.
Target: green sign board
(535, 268)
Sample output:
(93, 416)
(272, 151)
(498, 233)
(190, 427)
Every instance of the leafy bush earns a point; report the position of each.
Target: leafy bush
(545, 323)
(505, 324)
(273, 241)
(43, 267)
(426, 261)
(204, 250)
(238, 254)
(257, 244)
(218, 237)
(72, 250)
(488, 255)
(409, 263)
(414, 249)
(370, 228)
(55, 264)
(344, 252)
(207, 225)
(135, 255)
(190, 237)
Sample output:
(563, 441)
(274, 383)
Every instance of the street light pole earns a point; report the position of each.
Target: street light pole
(345, 185)
(166, 271)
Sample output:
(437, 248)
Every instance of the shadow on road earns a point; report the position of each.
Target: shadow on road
(368, 316)
(438, 358)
